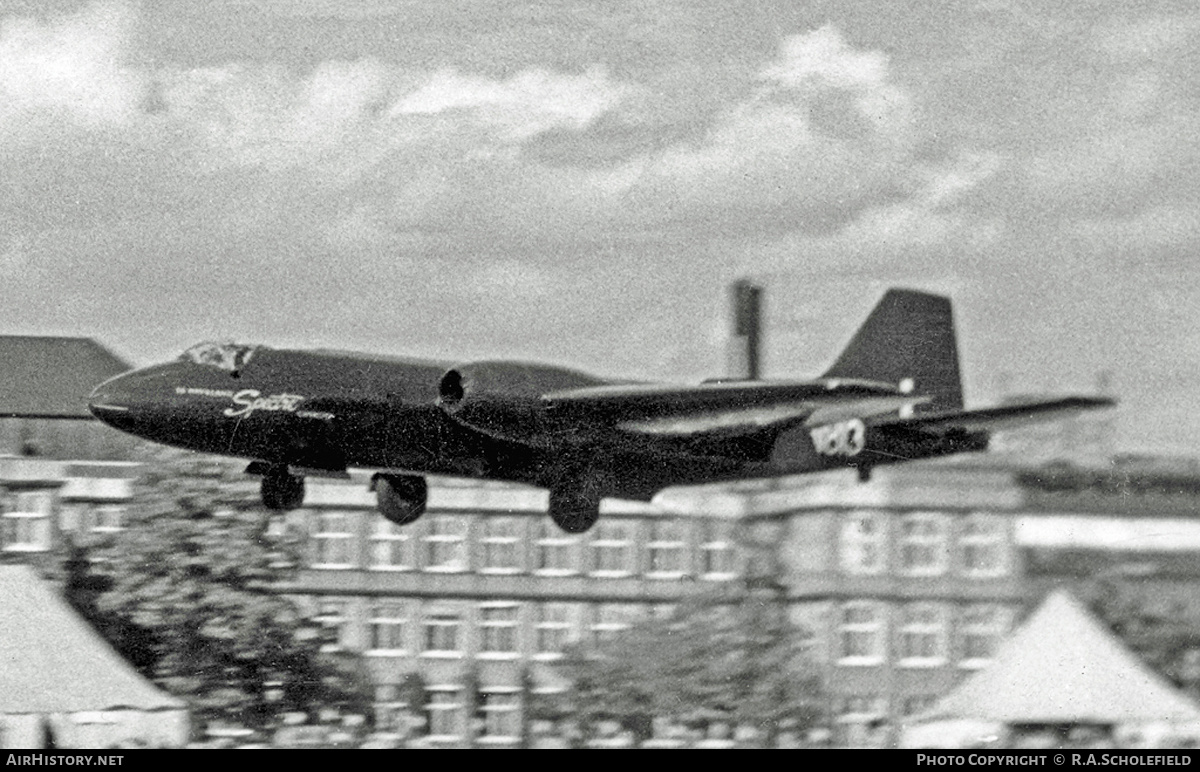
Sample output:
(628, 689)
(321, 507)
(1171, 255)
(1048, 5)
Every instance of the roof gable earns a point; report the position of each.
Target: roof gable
(1063, 667)
(52, 377)
(51, 661)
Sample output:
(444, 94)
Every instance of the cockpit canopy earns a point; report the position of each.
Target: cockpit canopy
(230, 357)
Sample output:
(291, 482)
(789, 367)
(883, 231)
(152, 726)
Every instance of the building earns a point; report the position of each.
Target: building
(908, 583)
(904, 585)
(483, 594)
(44, 386)
(62, 686)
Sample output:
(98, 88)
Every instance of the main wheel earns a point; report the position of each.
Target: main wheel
(573, 510)
(281, 490)
(401, 498)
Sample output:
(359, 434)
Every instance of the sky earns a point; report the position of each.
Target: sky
(579, 182)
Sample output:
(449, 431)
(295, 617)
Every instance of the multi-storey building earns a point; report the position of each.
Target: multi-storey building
(484, 593)
(903, 585)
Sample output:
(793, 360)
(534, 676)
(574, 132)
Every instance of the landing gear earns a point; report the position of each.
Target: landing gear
(574, 510)
(575, 497)
(575, 503)
(401, 497)
(864, 472)
(282, 490)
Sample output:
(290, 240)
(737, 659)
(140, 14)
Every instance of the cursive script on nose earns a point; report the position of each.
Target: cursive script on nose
(252, 399)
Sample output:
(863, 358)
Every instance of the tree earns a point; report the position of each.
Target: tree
(189, 592)
(734, 659)
(1168, 642)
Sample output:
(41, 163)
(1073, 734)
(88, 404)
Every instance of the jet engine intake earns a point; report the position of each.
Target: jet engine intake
(504, 399)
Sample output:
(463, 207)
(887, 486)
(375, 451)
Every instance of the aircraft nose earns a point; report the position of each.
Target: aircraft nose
(111, 400)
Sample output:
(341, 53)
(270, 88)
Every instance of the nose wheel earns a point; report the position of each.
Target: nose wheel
(282, 490)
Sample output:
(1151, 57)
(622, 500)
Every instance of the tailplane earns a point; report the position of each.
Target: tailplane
(908, 340)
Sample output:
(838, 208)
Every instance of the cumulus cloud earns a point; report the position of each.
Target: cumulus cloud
(72, 70)
(527, 104)
(822, 61)
(822, 133)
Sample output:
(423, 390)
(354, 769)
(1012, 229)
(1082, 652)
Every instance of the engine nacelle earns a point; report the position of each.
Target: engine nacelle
(504, 399)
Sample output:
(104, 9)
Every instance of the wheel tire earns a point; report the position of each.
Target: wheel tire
(282, 491)
(574, 511)
(401, 500)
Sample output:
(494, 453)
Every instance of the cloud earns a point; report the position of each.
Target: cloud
(1144, 39)
(1157, 227)
(527, 104)
(70, 70)
(821, 134)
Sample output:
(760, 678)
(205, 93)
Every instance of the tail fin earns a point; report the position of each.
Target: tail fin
(909, 335)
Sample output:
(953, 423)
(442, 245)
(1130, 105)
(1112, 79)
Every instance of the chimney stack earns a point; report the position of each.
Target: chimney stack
(743, 355)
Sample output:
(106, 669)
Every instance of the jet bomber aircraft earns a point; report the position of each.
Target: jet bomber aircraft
(894, 394)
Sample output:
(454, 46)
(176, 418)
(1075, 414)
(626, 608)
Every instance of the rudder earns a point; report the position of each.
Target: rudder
(908, 335)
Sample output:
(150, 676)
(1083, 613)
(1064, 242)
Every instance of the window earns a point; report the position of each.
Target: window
(861, 635)
(612, 548)
(555, 553)
(388, 707)
(386, 628)
(662, 611)
(501, 714)
(665, 549)
(500, 541)
(980, 630)
(331, 615)
(391, 546)
(922, 635)
(26, 521)
(862, 543)
(333, 541)
(445, 544)
(498, 623)
(441, 634)
(223, 356)
(923, 544)
(612, 619)
(556, 628)
(861, 709)
(984, 546)
(917, 703)
(445, 708)
(92, 518)
(716, 550)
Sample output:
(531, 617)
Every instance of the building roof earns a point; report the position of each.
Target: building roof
(52, 377)
(1064, 667)
(51, 661)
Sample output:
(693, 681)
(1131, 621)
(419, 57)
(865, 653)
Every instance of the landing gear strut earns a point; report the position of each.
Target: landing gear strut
(282, 490)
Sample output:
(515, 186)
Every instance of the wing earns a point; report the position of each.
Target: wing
(725, 407)
(993, 418)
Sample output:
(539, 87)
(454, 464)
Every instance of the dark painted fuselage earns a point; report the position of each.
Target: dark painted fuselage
(327, 411)
(319, 410)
